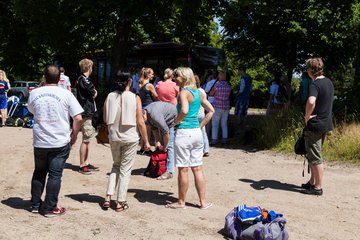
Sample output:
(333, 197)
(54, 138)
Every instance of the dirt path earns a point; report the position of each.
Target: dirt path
(234, 176)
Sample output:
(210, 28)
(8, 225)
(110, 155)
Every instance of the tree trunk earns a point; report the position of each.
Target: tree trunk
(120, 48)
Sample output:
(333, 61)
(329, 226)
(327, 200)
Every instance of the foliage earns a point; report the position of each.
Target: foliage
(281, 131)
(31, 35)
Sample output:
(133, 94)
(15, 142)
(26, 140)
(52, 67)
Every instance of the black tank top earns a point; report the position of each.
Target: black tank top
(145, 96)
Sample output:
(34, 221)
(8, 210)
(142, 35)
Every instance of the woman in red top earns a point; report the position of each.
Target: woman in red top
(167, 89)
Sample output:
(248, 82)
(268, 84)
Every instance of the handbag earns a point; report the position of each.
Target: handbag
(299, 147)
(103, 134)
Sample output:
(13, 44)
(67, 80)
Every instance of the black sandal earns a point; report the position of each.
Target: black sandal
(121, 206)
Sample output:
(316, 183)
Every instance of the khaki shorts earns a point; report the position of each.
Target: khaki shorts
(313, 144)
(87, 130)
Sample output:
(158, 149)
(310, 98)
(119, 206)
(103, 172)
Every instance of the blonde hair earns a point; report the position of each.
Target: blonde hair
(316, 66)
(187, 77)
(168, 73)
(144, 74)
(3, 76)
(85, 65)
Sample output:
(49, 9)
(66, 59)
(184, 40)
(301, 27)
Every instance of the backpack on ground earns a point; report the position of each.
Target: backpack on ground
(157, 164)
(268, 226)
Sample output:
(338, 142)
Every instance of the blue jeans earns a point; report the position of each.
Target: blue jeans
(170, 152)
(220, 119)
(51, 162)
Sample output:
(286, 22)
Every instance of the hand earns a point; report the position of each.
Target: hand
(73, 139)
(147, 147)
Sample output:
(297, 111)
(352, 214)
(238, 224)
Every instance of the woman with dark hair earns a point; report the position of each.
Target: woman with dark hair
(123, 115)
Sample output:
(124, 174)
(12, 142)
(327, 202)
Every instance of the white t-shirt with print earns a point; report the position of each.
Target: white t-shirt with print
(52, 107)
(64, 81)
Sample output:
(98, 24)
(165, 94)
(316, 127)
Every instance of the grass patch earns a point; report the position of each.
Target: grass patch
(281, 130)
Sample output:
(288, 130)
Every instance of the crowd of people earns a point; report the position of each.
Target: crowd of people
(174, 114)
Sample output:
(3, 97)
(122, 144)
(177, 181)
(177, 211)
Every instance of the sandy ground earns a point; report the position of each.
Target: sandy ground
(234, 176)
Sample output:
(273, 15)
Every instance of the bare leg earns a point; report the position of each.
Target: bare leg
(317, 172)
(3, 116)
(200, 184)
(183, 185)
(84, 153)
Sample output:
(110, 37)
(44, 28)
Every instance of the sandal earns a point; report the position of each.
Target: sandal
(106, 204)
(121, 206)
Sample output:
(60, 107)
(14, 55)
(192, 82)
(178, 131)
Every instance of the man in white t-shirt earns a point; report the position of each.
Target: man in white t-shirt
(64, 81)
(52, 139)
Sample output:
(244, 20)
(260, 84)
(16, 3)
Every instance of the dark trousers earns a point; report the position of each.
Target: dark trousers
(51, 162)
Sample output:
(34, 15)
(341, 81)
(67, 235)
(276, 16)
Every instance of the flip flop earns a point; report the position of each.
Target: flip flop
(209, 205)
(175, 206)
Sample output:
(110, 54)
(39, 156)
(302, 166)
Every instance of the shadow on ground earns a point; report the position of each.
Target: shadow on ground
(155, 197)
(72, 167)
(273, 184)
(139, 171)
(17, 203)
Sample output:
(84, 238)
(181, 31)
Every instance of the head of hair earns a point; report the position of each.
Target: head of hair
(144, 74)
(3, 76)
(52, 74)
(168, 73)
(197, 80)
(187, 77)
(315, 66)
(222, 76)
(85, 65)
(121, 81)
(62, 70)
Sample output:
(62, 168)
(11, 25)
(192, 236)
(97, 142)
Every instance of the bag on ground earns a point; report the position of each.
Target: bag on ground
(157, 164)
(268, 226)
(14, 122)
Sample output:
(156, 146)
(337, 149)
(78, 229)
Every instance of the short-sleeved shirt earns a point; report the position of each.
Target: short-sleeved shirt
(167, 91)
(222, 95)
(161, 115)
(64, 81)
(3, 87)
(52, 107)
(323, 90)
(208, 87)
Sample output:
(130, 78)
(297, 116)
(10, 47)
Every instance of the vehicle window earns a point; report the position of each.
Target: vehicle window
(32, 84)
(17, 84)
(23, 84)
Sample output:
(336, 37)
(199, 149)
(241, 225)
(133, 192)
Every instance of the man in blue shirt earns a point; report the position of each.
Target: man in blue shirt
(242, 95)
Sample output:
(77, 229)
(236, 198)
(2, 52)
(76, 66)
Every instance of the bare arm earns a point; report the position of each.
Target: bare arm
(208, 107)
(141, 124)
(151, 88)
(310, 106)
(75, 129)
(184, 102)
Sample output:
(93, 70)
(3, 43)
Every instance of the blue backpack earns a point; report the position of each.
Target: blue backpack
(271, 228)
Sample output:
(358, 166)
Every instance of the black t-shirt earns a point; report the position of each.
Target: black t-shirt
(323, 90)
